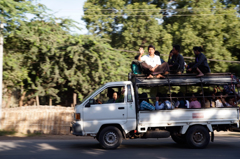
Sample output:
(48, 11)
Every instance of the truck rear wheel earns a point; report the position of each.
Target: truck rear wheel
(198, 137)
(178, 138)
(110, 137)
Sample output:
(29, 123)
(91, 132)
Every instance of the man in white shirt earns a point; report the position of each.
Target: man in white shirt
(151, 63)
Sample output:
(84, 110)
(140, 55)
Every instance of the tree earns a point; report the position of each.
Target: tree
(214, 25)
(42, 57)
(12, 14)
(128, 24)
(213, 29)
(14, 73)
(59, 63)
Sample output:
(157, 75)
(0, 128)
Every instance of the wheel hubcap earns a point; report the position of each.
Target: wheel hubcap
(198, 137)
(110, 137)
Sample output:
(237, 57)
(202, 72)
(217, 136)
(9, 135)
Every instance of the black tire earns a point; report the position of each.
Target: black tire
(110, 137)
(97, 139)
(197, 137)
(178, 138)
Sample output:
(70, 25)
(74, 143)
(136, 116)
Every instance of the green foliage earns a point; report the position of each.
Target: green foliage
(216, 32)
(214, 25)
(140, 30)
(58, 62)
(5, 132)
(235, 68)
(34, 134)
(14, 72)
(13, 12)
(42, 57)
(136, 28)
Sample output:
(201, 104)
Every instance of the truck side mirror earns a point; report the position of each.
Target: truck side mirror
(91, 101)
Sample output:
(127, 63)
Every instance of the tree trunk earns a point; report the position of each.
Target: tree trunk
(50, 101)
(74, 99)
(9, 99)
(21, 99)
(37, 100)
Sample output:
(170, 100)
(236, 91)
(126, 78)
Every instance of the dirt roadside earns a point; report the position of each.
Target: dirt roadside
(43, 137)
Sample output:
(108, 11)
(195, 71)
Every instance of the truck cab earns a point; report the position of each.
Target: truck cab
(111, 119)
(98, 111)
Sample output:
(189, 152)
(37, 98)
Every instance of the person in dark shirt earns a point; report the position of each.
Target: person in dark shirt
(201, 65)
(176, 62)
(170, 56)
(117, 98)
(182, 102)
(114, 98)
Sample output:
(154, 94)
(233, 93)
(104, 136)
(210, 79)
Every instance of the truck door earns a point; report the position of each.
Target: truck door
(106, 109)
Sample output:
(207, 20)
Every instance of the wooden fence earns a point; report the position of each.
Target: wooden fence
(33, 119)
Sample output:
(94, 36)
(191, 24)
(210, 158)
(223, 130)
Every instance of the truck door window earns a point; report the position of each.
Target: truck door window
(110, 95)
(129, 94)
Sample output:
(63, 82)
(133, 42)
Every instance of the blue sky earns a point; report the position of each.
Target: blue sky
(72, 9)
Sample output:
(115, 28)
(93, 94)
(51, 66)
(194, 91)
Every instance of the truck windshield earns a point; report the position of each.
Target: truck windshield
(90, 94)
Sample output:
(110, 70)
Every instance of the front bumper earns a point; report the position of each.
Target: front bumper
(75, 129)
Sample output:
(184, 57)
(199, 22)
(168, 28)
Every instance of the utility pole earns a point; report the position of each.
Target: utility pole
(1, 68)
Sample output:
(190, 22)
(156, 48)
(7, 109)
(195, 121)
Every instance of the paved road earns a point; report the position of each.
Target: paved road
(227, 146)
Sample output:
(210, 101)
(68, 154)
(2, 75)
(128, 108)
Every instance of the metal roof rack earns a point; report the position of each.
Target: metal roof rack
(185, 79)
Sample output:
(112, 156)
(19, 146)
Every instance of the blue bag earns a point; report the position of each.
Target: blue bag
(135, 69)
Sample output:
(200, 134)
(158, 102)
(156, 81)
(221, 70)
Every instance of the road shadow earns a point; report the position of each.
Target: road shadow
(90, 148)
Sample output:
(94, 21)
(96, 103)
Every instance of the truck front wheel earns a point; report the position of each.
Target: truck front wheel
(198, 137)
(110, 137)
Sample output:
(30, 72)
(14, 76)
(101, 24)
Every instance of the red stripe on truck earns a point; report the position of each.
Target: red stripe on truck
(197, 115)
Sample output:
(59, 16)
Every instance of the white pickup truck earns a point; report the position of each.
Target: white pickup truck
(111, 121)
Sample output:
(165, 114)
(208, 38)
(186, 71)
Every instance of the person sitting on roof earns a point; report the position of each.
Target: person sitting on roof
(158, 54)
(151, 63)
(176, 62)
(201, 65)
(170, 55)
